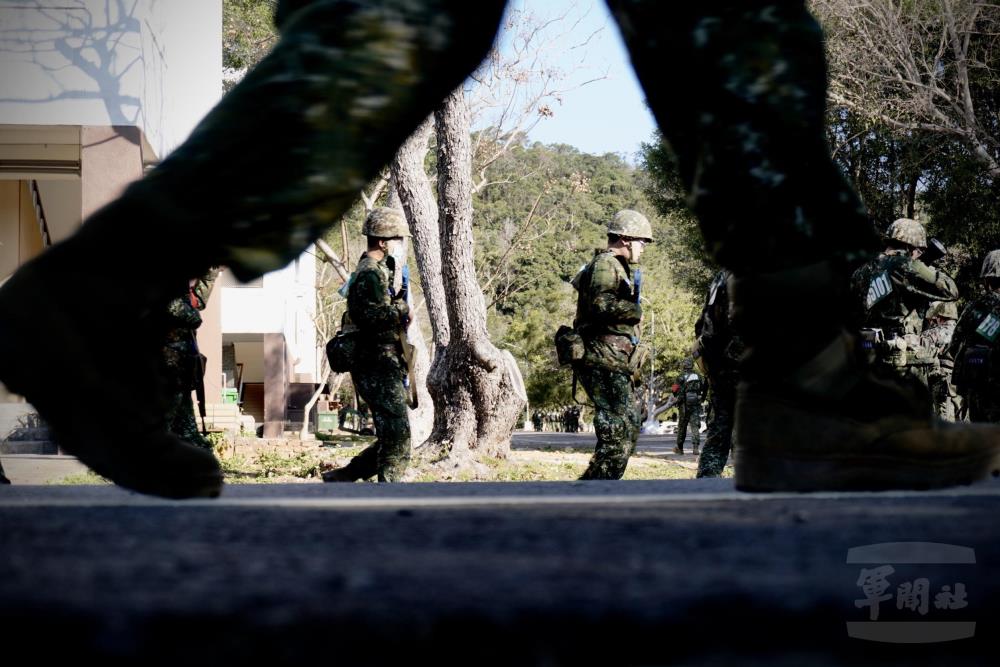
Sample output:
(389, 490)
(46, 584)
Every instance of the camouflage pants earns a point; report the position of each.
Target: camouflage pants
(348, 82)
(690, 414)
(719, 437)
(616, 420)
(181, 420)
(379, 381)
(984, 407)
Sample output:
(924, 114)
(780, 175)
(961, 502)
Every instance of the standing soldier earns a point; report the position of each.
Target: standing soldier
(607, 318)
(690, 394)
(378, 314)
(184, 367)
(719, 349)
(895, 290)
(536, 421)
(976, 348)
(936, 338)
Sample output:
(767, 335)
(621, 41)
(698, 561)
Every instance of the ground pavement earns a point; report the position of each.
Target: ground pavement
(569, 573)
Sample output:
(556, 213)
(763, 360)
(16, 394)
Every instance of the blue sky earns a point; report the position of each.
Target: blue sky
(604, 116)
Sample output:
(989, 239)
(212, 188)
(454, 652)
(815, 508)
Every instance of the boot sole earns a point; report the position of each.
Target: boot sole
(769, 473)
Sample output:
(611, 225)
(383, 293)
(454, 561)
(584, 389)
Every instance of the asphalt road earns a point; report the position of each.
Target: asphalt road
(569, 573)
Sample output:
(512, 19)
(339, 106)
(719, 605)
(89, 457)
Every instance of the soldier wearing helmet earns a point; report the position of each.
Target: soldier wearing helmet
(975, 347)
(607, 318)
(691, 391)
(894, 291)
(377, 311)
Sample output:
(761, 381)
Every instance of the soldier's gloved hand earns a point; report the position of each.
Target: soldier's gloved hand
(402, 295)
(404, 312)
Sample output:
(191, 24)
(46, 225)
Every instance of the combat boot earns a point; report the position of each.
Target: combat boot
(823, 421)
(56, 321)
(339, 475)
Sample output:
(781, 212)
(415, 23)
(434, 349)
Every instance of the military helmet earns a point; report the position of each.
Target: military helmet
(385, 223)
(991, 265)
(632, 224)
(687, 364)
(909, 232)
(946, 309)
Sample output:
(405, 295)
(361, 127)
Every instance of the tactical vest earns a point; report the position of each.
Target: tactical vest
(585, 322)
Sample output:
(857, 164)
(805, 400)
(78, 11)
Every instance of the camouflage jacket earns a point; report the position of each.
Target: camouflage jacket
(894, 291)
(693, 388)
(607, 315)
(371, 306)
(718, 343)
(978, 325)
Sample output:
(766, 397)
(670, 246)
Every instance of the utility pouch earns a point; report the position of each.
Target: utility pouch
(569, 346)
(340, 350)
(974, 370)
(638, 359)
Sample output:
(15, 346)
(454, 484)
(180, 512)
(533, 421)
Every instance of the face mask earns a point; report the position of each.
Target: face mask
(634, 251)
(397, 249)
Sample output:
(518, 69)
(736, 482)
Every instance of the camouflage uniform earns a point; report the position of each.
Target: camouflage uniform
(690, 396)
(348, 82)
(719, 350)
(607, 315)
(536, 421)
(379, 369)
(936, 339)
(894, 292)
(181, 359)
(975, 348)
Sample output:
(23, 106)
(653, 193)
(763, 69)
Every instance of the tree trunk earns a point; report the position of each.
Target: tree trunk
(418, 202)
(483, 384)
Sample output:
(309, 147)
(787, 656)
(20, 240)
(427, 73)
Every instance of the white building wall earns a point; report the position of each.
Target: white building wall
(155, 64)
(283, 302)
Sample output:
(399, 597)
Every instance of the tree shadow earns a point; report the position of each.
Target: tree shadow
(103, 44)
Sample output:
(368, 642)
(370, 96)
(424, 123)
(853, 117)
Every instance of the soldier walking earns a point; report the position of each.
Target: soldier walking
(975, 347)
(942, 317)
(690, 394)
(607, 317)
(377, 313)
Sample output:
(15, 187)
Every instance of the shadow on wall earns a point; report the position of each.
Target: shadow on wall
(90, 50)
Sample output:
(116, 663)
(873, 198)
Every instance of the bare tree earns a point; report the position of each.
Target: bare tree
(918, 67)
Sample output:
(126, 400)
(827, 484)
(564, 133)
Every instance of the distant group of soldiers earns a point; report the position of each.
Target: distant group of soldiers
(565, 419)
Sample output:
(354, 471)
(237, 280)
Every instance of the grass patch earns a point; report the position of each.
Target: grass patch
(88, 478)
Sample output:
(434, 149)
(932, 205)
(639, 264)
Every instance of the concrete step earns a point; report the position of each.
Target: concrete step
(28, 447)
(32, 469)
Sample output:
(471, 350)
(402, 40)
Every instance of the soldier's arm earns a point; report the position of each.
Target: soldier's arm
(365, 304)
(608, 307)
(928, 282)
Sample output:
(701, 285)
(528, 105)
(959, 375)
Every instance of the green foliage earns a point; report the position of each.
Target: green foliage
(536, 226)
(247, 32)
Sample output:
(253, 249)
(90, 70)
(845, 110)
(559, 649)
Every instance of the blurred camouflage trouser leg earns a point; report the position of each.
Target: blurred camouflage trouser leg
(719, 438)
(3, 478)
(748, 132)
(286, 152)
(616, 421)
(380, 384)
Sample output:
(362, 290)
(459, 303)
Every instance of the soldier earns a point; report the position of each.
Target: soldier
(935, 339)
(691, 392)
(718, 350)
(536, 421)
(895, 290)
(607, 317)
(378, 314)
(975, 347)
(748, 135)
(183, 362)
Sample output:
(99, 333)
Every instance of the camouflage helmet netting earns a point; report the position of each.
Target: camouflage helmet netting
(908, 231)
(945, 309)
(632, 224)
(385, 223)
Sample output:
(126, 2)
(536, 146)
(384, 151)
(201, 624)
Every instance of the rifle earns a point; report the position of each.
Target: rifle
(637, 291)
(408, 352)
(199, 383)
(934, 252)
